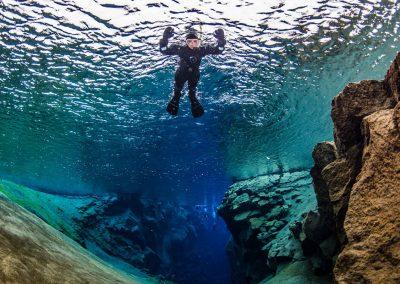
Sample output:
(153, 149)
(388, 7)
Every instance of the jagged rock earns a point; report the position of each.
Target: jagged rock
(134, 232)
(372, 222)
(242, 217)
(284, 250)
(240, 201)
(132, 229)
(359, 189)
(256, 223)
(295, 179)
(284, 190)
(321, 225)
(355, 102)
(329, 246)
(392, 78)
(296, 228)
(278, 212)
(323, 154)
(258, 213)
(313, 228)
(340, 176)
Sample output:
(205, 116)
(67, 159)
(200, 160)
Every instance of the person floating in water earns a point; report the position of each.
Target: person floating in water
(188, 70)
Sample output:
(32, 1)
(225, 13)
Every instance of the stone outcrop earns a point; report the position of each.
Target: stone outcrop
(354, 234)
(261, 213)
(323, 155)
(31, 251)
(357, 184)
(372, 222)
(392, 79)
(355, 102)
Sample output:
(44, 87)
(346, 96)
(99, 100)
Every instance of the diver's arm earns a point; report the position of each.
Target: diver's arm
(173, 49)
(219, 48)
(209, 49)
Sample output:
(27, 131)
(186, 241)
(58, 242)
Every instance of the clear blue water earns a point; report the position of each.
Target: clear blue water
(84, 88)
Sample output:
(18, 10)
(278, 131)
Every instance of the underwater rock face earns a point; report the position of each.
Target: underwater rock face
(261, 214)
(339, 177)
(31, 251)
(372, 222)
(323, 154)
(150, 235)
(359, 190)
(392, 79)
(135, 234)
(355, 102)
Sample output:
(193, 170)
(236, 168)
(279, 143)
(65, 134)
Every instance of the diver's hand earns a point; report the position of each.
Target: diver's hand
(219, 34)
(168, 32)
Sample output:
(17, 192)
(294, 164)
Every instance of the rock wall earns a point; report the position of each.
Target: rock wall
(126, 230)
(155, 236)
(31, 251)
(357, 183)
(263, 216)
(353, 236)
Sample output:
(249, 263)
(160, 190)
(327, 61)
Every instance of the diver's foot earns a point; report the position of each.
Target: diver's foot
(173, 106)
(197, 109)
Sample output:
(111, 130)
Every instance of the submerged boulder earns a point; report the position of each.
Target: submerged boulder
(339, 177)
(324, 154)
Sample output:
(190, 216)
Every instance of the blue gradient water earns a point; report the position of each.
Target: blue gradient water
(84, 88)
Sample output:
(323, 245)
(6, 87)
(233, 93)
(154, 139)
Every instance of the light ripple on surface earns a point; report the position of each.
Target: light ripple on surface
(84, 88)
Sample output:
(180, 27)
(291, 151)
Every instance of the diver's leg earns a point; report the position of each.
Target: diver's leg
(197, 109)
(173, 104)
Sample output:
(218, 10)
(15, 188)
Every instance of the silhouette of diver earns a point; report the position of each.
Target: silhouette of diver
(188, 70)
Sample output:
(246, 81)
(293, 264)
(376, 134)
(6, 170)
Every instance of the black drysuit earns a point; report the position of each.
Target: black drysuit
(189, 63)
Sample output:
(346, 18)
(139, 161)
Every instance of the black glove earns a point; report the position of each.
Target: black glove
(168, 32)
(221, 42)
(219, 34)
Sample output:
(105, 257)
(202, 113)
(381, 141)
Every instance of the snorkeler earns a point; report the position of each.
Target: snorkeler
(188, 70)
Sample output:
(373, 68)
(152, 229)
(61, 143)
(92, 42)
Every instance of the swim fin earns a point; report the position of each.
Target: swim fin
(197, 108)
(173, 105)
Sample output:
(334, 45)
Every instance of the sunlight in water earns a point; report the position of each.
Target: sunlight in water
(84, 89)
